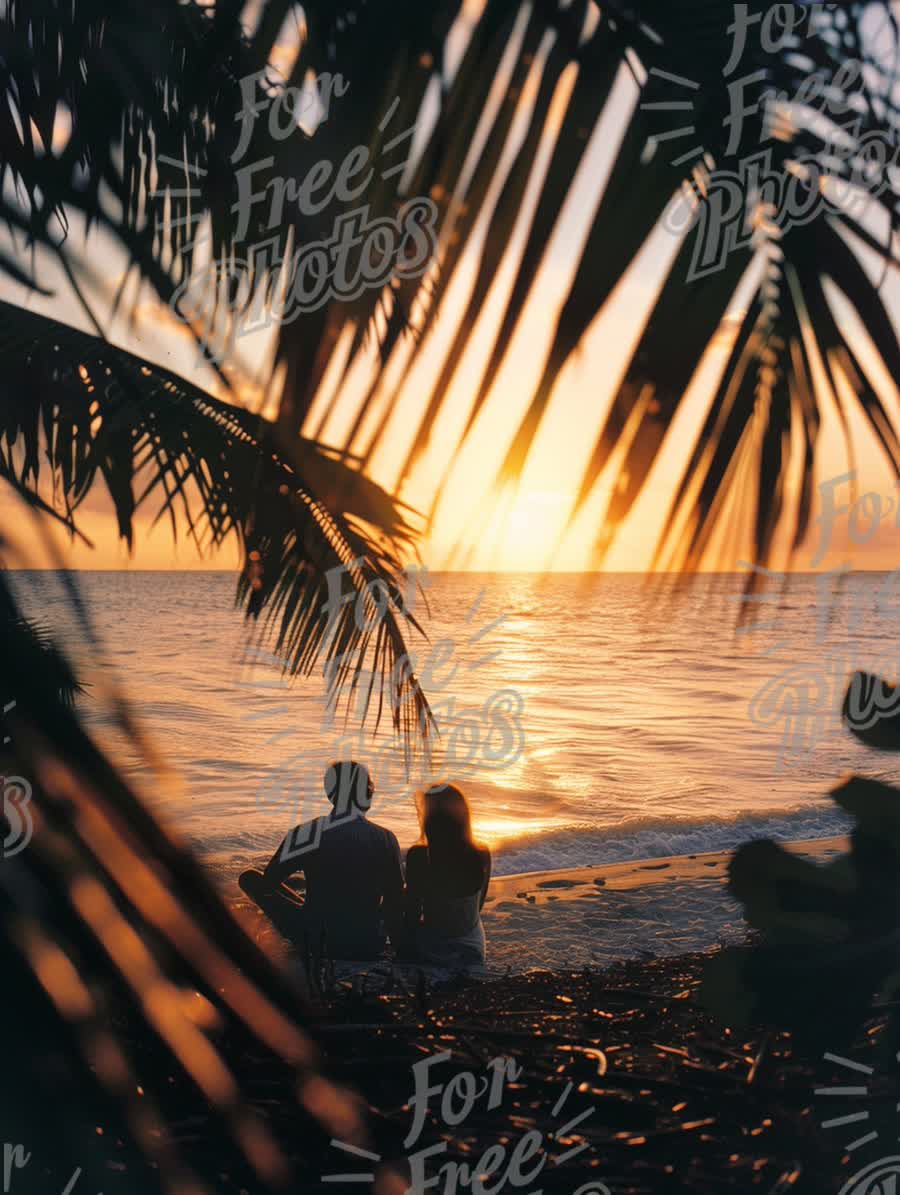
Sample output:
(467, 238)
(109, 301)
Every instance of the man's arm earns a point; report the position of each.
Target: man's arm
(278, 869)
(289, 859)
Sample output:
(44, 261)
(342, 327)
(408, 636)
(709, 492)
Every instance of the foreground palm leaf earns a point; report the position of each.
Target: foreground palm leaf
(320, 545)
(788, 271)
(164, 146)
(137, 997)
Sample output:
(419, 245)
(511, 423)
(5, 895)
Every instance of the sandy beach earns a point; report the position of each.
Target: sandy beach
(593, 916)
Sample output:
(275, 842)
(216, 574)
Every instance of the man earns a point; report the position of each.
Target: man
(354, 881)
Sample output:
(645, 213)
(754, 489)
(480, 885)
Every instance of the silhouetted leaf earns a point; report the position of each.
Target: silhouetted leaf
(296, 512)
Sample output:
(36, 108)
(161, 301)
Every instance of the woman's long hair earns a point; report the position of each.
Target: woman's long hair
(446, 823)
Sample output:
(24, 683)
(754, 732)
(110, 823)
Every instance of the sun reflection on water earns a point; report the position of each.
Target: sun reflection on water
(493, 830)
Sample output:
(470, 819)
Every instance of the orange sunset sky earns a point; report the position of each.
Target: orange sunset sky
(529, 536)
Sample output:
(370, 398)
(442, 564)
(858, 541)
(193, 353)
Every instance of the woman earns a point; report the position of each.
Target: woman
(447, 876)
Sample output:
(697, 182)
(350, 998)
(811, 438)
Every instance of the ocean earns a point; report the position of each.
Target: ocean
(591, 718)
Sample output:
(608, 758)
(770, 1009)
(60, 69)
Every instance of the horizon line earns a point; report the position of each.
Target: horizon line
(512, 572)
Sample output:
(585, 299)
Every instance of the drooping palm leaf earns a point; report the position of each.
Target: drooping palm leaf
(460, 209)
(664, 361)
(508, 205)
(90, 413)
(780, 342)
(439, 172)
(389, 78)
(596, 75)
(682, 130)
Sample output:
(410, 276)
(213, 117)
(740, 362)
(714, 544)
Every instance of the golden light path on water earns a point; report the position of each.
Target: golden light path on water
(494, 830)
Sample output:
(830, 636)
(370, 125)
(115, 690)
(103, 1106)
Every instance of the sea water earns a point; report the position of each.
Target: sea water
(644, 720)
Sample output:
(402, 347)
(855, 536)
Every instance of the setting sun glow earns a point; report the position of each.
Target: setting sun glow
(525, 528)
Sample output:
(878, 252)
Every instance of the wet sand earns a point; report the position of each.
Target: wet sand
(592, 916)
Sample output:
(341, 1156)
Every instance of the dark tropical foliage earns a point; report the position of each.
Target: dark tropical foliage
(150, 157)
(786, 323)
(828, 936)
(88, 413)
(131, 994)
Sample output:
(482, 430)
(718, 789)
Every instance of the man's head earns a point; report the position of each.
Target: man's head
(349, 787)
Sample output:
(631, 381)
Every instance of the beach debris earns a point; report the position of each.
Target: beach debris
(672, 1107)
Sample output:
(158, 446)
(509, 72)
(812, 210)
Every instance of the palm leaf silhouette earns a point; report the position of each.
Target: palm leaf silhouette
(134, 982)
(104, 416)
(680, 60)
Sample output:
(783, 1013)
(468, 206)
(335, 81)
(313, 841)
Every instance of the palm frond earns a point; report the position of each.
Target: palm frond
(309, 528)
(679, 57)
(142, 996)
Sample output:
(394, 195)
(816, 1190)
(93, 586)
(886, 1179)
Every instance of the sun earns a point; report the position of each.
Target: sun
(529, 531)
(510, 529)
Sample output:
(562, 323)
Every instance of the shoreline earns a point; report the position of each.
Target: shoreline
(601, 914)
(612, 912)
(623, 875)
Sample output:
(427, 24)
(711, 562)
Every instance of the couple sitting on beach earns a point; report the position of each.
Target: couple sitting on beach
(356, 897)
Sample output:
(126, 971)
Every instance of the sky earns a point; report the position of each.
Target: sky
(524, 530)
